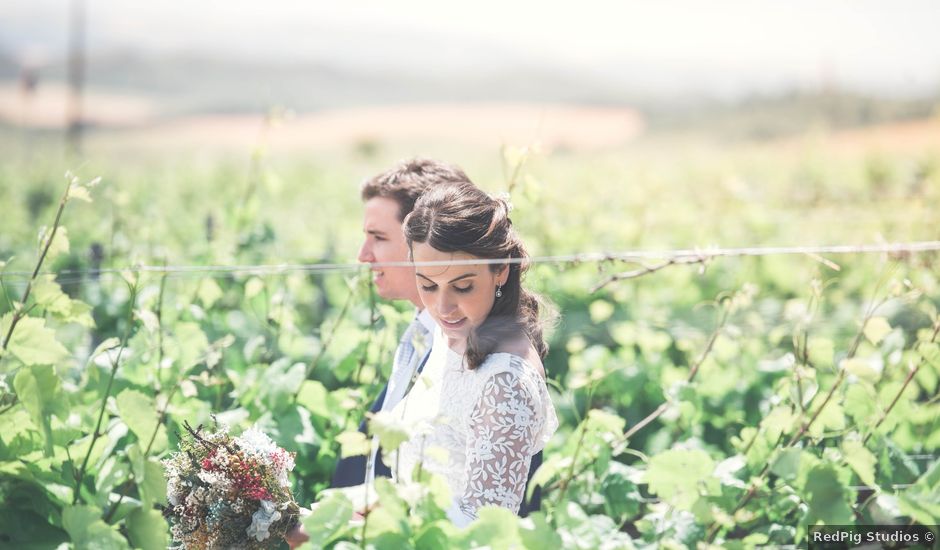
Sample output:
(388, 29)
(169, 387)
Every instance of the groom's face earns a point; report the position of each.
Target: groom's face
(385, 242)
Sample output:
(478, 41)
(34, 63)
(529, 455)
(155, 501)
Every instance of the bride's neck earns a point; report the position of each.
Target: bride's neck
(457, 345)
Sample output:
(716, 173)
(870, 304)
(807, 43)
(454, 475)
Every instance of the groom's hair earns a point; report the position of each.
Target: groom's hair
(409, 179)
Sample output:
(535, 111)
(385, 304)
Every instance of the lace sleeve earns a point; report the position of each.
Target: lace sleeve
(504, 424)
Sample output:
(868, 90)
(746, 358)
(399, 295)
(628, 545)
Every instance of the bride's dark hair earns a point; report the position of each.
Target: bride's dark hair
(459, 217)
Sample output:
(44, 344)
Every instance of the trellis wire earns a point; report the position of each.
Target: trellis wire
(633, 256)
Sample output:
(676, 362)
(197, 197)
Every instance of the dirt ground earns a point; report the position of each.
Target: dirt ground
(137, 120)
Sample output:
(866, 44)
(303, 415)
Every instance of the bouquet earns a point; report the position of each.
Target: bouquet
(229, 492)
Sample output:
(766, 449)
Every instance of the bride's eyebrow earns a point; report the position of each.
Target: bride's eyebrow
(454, 280)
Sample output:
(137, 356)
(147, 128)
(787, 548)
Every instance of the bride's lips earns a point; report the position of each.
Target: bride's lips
(452, 325)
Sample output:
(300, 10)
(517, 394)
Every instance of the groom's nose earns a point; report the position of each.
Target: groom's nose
(365, 252)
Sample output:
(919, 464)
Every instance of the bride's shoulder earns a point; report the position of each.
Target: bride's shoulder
(517, 355)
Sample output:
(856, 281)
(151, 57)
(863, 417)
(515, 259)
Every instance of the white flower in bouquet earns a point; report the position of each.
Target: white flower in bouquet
(262, 519)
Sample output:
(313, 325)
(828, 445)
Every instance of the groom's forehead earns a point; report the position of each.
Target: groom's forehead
(381, 213)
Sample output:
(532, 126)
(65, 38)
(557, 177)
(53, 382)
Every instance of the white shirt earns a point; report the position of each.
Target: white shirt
(401, 374)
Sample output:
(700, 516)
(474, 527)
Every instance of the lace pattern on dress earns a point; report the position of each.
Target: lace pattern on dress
(503, 432)
(488, 422)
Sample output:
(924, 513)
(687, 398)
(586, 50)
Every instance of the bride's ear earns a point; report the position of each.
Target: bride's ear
(502, 276)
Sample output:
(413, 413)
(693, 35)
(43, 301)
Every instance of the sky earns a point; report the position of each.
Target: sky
(726, 47)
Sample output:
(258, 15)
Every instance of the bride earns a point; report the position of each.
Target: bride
(482, 398)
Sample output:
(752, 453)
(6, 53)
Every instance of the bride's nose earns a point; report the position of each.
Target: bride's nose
(446, 304)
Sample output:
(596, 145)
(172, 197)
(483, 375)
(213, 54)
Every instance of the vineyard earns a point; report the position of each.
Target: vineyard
(705, 400)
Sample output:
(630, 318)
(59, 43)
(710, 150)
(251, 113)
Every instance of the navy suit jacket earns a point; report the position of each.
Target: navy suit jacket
(352, 470)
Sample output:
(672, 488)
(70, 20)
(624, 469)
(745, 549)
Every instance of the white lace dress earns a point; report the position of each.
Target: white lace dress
(477, 428)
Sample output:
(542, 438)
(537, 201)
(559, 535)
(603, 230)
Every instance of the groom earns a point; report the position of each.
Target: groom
(388, 198)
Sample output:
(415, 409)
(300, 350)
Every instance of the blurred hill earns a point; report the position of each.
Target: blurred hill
(198, 83)
(140, 91)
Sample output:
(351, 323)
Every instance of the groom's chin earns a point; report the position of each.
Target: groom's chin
(378, 281)
(382, 289)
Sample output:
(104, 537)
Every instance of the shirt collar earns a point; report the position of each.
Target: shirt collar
(424, 317)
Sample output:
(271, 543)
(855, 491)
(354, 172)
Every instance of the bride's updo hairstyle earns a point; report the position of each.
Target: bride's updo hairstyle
(459, 217)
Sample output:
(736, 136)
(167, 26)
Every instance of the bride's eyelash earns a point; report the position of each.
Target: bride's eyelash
(432, 288)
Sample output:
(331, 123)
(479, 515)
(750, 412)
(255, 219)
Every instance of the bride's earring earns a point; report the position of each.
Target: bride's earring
(499, 291)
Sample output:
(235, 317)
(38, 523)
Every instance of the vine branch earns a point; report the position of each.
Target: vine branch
(104, 399)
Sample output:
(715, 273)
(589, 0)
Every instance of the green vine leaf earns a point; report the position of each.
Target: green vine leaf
(139, 412)
(328, 519)
(876, 329)
(861, 460)
(32, 342)
(353, 444)
(390, 431)
(87, 530)
(60, 243)
(147, 529)
(677, 476)
(39, 389)
(828, 497)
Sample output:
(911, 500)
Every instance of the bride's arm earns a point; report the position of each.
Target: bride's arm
(504, 425)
